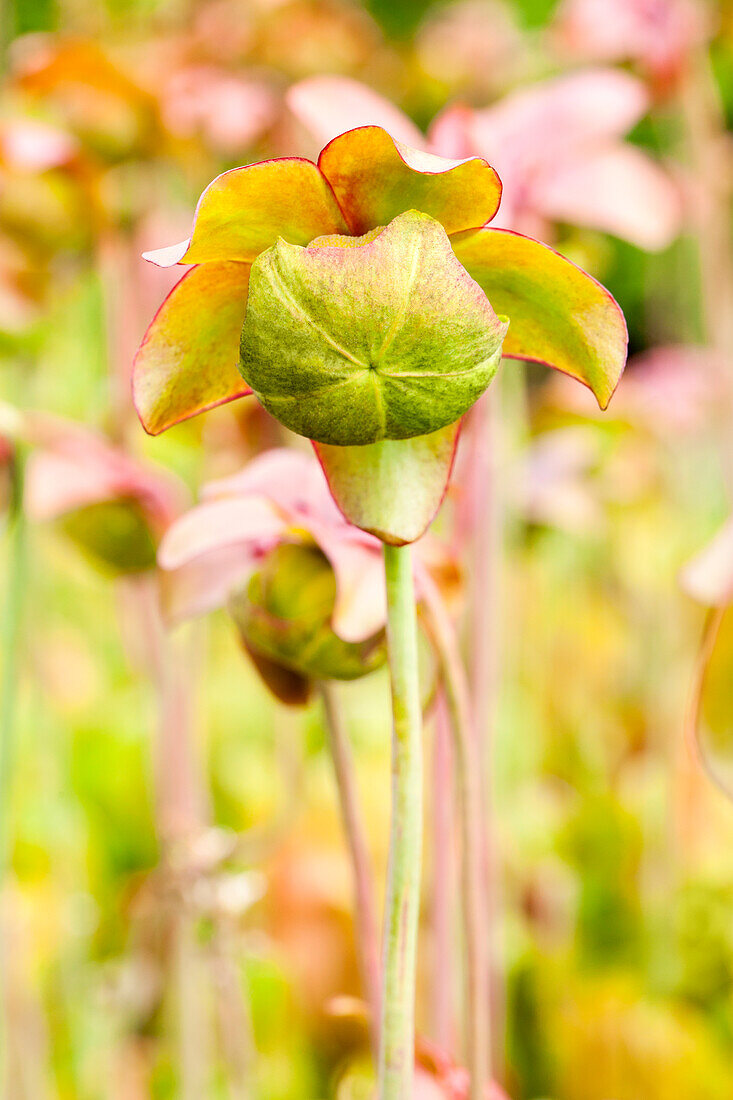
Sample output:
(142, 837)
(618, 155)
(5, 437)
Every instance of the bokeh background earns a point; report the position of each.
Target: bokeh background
(175, 895)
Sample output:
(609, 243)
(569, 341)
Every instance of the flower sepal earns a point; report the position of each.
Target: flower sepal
(394, 488)
(354, 340)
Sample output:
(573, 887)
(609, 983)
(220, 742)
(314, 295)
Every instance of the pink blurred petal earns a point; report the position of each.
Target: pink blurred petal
(546, 121)
(667, 390)
(659, 33)
(293, 483)
(553, 145)
(451, 132)
(231, 112)
(249, 522)
(72, 468)
(361, 600)
(32, 146)
(203, 584)
(708, 578)
(330, 105)
(293, 480)
(618, 189)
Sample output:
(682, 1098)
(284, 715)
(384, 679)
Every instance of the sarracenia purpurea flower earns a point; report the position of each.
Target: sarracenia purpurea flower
(305, 589)
(359, 297)
(364, 301)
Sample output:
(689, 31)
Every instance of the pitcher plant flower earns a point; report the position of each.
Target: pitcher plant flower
(366, 303)
(304, 588)
(114, 506)
(270, 256)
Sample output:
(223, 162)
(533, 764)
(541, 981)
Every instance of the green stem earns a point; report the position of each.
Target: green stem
(10, 642)
(9, 647)
(477, 1022)
(397, 1039)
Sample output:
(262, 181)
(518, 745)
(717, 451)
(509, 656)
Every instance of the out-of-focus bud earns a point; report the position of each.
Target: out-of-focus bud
(114, 533)
(284, 616)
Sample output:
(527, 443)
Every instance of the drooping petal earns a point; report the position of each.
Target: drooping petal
(249, 522)
(391, 489)
(361, 599)
(618, 189)
(558, 314)
(187, 362)
(203, 584)
(375, 178)
(244, 211)
(72, 468)
(293, 480)
(330, 105)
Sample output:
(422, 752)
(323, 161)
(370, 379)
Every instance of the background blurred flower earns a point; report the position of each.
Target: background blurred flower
(228, 111)
(558, 148)
(660, 34)
(115, 507)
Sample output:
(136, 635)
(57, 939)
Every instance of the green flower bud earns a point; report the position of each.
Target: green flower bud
(284, 615)
(114, 534)
(354, 340)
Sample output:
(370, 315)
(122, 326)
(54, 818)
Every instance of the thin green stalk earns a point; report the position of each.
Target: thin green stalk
(476, 1022)
(365, 919)
(397, 1038)
(11, 621)
(10, 641)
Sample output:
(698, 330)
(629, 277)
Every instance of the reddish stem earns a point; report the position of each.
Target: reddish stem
(367, 928)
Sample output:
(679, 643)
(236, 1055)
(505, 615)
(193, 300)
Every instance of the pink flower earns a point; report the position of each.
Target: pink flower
(657, 33)
(115, 506)
(280, 496)
(558, 147)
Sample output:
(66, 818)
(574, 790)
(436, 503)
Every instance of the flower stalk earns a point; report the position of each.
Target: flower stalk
(10, 633)
(477, 1024)
(397, 1037)
(365, 914)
